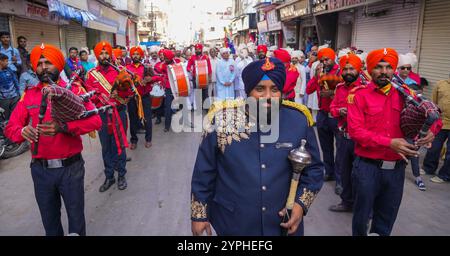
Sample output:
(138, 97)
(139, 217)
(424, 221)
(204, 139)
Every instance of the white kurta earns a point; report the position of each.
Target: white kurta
(239, 86)
(300, 87)
(225, 73)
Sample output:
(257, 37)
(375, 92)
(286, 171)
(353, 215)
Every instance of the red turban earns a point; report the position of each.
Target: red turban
(160, 51)
(102, 45)
(351, 59)
(168, 54)
(261, 48)
(282, 55)
(199, 46)
(137, 49)
(50, 52)
(326, 52)
(388, 55)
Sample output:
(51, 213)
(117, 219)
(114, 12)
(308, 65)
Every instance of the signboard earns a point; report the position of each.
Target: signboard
(262, 27)
(297, 9)
(319, 6)
(272, 21)
(290, 33)
(40, 13)
(245, 23)
(344, 4)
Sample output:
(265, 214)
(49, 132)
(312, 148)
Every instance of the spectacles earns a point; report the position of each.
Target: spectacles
(405, 68)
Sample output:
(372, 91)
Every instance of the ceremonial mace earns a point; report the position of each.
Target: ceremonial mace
(300, 158)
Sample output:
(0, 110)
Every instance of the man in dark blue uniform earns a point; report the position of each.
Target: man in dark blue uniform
(240, 183)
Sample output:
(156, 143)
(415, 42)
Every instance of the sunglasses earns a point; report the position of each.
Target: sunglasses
(405, 68)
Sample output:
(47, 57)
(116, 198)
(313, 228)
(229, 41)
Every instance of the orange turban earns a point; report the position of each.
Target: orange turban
(352, 59)
(388, 55)
(102, 45)
(117, 53)
(137, 49)
(326, 52)
(50, 52)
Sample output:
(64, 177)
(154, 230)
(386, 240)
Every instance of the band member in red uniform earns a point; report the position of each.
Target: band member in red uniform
(58, 167)
(261, 51)
(326, 124)
(114, 123)
(380, 147)
(145, 74)
(292, 74)
(191, 68)
(350, 66)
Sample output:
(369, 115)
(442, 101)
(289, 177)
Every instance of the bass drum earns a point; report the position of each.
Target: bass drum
(179, 80)
(157, 96)
(201, 74)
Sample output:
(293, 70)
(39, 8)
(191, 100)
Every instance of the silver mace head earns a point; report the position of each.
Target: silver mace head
(300, 157)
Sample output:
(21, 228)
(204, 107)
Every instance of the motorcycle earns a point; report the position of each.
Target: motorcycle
(9, 149)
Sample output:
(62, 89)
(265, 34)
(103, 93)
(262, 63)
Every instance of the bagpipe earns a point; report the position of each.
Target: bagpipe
(419, 113)
(66, 105)
(128, 80)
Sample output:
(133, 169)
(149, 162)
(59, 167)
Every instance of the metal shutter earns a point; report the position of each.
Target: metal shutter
(4, 24)
(397, 29)
(36, 32)
(75, 36)
(434, 61)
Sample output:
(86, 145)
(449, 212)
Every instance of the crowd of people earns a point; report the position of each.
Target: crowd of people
(239, 183)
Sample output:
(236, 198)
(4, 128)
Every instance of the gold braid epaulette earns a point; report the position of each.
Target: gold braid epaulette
(302, 108)
(223, 104)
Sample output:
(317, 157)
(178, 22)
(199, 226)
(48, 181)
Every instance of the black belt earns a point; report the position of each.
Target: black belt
(57, 163)
(382, 164)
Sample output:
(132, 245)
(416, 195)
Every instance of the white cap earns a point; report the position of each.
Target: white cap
(297, 54)
(405, 59)
(224, 50)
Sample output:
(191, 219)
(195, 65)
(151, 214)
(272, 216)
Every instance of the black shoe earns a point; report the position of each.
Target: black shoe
(340, 208)
(107, 184)
(158, 121)
(128, 158)
(166, 130)
(328, 177)
(122, 183)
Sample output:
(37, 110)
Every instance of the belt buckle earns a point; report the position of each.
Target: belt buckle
(54, 163)
(388, 165)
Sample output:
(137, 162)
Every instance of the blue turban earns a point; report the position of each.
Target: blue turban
(270, 67)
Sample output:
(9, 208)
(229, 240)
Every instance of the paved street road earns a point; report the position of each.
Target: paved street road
(157, 201)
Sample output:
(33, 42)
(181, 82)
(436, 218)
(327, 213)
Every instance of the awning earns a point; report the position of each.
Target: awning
(68, 12)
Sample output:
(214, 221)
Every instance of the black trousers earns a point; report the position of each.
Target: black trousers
(50, 185)
(134, 118)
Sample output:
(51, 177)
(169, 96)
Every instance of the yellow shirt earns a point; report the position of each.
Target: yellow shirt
(441, 96)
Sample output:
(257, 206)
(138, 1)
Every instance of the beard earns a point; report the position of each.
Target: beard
(104, 62)
(261, 56)
(349, 78)
(136, 60)
(380, 82)
(48, 77)
(198, 53)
